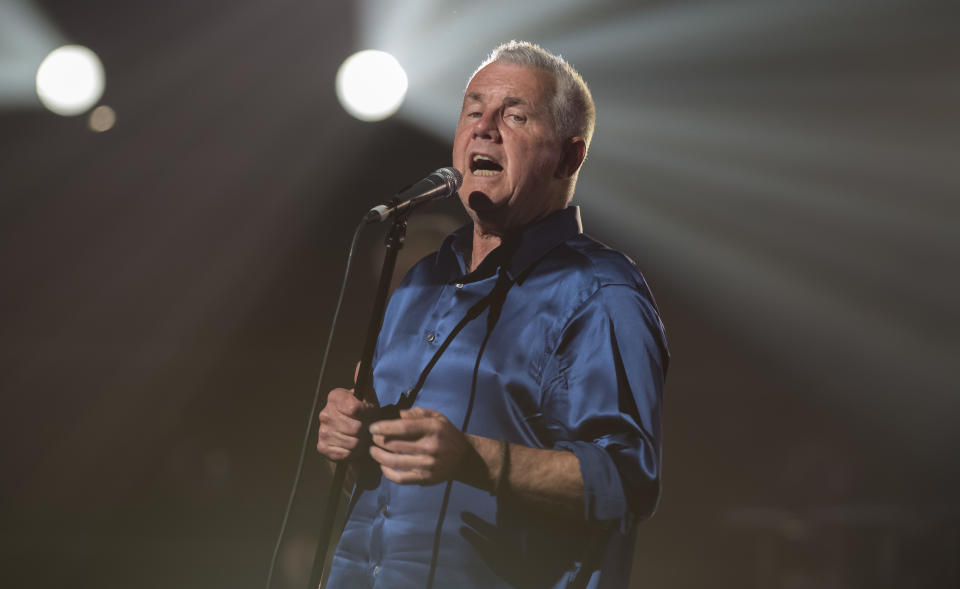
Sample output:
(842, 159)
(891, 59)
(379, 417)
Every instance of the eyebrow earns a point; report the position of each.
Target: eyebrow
(508, 101)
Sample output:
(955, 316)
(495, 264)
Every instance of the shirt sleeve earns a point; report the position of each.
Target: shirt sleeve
(603, 396)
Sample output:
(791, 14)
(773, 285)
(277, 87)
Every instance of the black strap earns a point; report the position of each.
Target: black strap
(494, 299)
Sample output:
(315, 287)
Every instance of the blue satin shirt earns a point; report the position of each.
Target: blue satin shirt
(554, 341)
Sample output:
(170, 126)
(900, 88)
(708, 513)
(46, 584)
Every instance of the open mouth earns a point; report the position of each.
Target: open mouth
(483, 165)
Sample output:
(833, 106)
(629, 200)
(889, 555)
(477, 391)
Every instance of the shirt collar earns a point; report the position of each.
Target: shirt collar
(517, 253)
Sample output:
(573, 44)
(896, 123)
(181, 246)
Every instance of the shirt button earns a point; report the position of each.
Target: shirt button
(383, 511)
(431, 337)
(459, 285)
(376, 570)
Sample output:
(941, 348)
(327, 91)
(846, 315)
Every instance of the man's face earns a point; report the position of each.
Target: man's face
(507, 149)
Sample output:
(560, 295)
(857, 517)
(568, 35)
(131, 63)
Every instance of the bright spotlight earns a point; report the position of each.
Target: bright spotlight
(70, 80)
(371, 85)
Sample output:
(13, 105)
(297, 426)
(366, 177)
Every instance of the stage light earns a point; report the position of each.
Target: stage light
(70, 80)
(102, 119)
(371, 85)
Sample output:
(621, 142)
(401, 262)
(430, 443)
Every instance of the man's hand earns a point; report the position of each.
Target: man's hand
(422, 447)
(340, 424)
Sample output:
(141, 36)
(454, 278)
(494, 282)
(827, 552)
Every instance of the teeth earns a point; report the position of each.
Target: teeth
(484, 172)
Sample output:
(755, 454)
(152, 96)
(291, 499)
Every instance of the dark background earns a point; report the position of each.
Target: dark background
(783, 172)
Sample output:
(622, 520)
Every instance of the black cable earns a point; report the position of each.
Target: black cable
(495, 301)
(313, 409)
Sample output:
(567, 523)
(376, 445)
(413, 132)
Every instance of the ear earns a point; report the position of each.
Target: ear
(574, 150)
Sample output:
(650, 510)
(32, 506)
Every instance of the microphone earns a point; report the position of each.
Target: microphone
(439, 184)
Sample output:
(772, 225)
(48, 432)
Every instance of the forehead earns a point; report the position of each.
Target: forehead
(498, 81)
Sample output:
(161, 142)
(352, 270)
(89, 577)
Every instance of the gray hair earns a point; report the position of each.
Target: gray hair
(572, 105)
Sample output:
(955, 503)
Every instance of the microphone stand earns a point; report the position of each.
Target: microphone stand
(363, 391)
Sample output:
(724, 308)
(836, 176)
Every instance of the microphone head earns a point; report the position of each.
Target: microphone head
(451, 177)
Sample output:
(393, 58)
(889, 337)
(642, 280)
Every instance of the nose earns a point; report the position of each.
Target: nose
(486, 127)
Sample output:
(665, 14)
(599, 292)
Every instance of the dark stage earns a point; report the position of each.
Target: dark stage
(783, 172)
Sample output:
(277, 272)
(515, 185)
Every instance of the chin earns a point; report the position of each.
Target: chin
(482, 211)
(480, 203)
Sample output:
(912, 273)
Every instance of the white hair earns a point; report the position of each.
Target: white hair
(572, 105)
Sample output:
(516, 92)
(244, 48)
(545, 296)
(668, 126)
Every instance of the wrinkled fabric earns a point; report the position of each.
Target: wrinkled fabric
(554, 341)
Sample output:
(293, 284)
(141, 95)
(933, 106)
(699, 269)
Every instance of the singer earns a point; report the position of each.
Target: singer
(532, 359)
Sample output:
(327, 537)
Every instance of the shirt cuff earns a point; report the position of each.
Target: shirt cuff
(603, 498)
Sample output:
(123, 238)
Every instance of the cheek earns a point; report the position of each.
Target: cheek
(536, 167)
(458, 142)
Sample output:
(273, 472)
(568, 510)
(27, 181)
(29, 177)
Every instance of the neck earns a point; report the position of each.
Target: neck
(483, 244)
(488, 236)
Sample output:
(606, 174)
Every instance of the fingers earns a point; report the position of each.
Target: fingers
(413, 446)
(423, 462)
(344, 412)
(418, 412)
(396, 429)
(422, 447)
(335, 438)
(336, 444)
(413, 423)
(335, 421)
(340, 424)
(336, 453)
(343, 401)
(406, 469)
(406, 477)
(405, 436)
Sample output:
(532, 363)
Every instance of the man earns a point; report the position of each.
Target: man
(534, 361)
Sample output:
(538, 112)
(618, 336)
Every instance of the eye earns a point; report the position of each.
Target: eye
(516, 118)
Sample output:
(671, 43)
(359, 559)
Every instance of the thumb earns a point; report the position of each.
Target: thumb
(417, 412)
